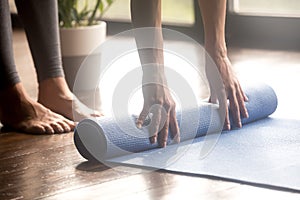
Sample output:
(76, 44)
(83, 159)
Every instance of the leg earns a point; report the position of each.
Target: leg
(213, 15)
(40, 20)
(147, 13)
(17, 110)
(8, 72)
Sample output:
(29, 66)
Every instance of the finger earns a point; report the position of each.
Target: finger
(153, 139)
(227, 125)
(175, 133)
(223, 108)
(235, 110)
(163, 135)
(245, 97)
(241, 101)
(243, 94)
(213, 98)
(142, 117)
(155, 125)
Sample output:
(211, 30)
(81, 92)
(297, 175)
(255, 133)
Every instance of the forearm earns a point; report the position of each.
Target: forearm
(147, 14)
(213, 15)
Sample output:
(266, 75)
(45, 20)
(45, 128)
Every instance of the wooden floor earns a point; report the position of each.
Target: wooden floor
(33, 167)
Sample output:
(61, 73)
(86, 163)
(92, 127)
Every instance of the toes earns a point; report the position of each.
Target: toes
(48, 128)
(66, 124)
(38, 129)
(57, 127)
(96, 114)
(33, 128)
(66, 127)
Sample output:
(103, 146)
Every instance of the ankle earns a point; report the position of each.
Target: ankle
(54, 87)
(17, 98)
(13, 94)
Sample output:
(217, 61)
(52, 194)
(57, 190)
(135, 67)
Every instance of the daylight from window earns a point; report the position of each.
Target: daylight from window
(288, 8)
(173, 11)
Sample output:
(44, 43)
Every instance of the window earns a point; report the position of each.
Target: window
(285, 8)
(264, 24)
(179, 12)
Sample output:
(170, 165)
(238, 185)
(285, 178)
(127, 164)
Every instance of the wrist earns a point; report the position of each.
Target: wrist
(154, 74)
(216, 50)
(153, 69)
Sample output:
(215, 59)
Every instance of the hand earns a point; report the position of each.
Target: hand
(233, 92)
(159, 102)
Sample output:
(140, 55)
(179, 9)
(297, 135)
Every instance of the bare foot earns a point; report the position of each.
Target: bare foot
(55, 94)
(19, 112)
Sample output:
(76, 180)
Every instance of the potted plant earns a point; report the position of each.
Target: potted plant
(81, 31)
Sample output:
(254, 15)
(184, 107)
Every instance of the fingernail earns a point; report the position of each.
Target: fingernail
(139, 125)
(152, 140)
(240, 125)
(163, 144)
(177, 138)
(227, 127)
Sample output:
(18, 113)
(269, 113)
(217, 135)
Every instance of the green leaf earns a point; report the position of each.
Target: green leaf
(101, 7)
(109, 2)
(72, 14)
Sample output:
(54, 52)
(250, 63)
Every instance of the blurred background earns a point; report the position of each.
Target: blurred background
(250, 23)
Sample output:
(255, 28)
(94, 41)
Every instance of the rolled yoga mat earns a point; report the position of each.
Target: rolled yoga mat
(106, 138)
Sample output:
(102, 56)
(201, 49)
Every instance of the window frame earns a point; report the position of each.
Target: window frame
(275, 32)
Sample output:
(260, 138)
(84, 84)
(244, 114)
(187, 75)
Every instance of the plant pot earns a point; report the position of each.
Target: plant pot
(81, 63)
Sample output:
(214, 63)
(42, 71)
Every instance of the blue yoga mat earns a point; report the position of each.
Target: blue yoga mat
(264, 151)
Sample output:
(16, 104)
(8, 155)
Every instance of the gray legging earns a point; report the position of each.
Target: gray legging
(40, 20)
